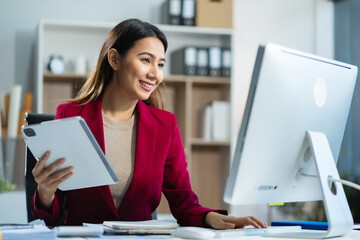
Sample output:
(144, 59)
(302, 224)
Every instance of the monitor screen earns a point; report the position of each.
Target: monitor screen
(291, 92)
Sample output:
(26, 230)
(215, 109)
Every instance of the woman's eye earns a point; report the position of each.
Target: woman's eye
(146, 60)
(161, 65)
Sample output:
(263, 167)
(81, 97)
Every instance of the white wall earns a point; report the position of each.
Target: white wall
(305, 25)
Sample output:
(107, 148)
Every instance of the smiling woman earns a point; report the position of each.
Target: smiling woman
(120, 103)
(119, 41)
(137, 74)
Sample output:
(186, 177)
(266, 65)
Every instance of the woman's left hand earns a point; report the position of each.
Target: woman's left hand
(219, 221)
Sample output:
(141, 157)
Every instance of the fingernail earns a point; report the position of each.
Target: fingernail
(62, 160)
(47, 154)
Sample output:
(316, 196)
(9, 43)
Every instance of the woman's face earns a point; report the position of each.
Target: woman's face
(140, 70)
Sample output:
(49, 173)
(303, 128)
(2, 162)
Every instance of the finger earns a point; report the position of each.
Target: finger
(253, 223)
(46, 172)
(260, 223)
(40, 164)
(242, 221)
(225, 222)
(225, 225)
(54, 166)
(60, 180)
(231, 219)
(60, 174)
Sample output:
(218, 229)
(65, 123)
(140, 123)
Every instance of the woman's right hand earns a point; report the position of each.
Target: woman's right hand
(48, 180)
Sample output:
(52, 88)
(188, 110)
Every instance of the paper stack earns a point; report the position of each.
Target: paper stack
(38, 232)
(142, 227)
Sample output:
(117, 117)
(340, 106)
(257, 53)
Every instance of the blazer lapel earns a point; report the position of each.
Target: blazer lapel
(93, 117)
(147, 128)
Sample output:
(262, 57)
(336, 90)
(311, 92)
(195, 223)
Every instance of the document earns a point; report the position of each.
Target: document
(150, 227)
(38, 232)
(141, 225)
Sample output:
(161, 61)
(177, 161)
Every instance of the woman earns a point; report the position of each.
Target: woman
(120, 103)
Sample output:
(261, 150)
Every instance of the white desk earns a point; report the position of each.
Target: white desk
(354, 235)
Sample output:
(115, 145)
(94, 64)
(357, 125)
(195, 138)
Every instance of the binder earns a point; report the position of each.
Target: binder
(214, 61)
(188, 12)
(202, 62)
(226, 62)
(171, 12)
(184, 61)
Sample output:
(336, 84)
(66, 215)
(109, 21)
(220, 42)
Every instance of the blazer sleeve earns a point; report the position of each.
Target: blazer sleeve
(52, 217)
(183, 202)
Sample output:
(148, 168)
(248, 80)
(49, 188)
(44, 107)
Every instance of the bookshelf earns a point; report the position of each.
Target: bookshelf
(185, 96)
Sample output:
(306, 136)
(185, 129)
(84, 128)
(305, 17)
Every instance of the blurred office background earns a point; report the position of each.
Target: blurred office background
(323, 27)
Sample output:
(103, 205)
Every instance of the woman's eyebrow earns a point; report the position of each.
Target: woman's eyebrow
(151, 55)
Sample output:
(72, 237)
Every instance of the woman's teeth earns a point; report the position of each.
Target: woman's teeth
(145, 84)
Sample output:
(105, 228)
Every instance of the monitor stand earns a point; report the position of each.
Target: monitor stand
(337, 209)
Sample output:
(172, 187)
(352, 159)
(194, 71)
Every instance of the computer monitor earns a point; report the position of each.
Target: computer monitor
(297, 108)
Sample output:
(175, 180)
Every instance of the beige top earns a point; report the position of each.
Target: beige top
(120, 145)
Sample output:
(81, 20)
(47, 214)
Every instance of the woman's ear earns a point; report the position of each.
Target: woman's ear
(113, 58)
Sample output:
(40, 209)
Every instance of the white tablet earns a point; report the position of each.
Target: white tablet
(71, 138)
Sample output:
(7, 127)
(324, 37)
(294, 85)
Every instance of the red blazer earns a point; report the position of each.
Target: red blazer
(160, 166)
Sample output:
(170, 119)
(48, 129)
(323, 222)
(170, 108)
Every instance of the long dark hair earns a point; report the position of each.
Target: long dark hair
(122, 37)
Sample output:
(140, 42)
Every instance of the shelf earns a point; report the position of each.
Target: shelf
(195, 30)
(66, 25)
(48, 76)
(204, 142)
(198, 79)
(185, 96)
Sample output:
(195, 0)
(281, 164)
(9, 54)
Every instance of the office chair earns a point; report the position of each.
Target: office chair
(30, 161)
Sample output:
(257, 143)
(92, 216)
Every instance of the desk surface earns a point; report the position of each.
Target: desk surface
(354, 235)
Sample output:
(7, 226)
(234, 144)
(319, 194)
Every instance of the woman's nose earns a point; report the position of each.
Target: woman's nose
(154, 73)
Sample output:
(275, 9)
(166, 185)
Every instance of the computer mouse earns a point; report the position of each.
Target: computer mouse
(193, 233)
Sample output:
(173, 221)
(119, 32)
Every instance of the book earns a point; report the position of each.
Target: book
(314, 225)
(27, 108)
(2, 157)
(80, 231)
(220, 114)
(5, 114)
(206, 123)
(304, 224)
(14, 110)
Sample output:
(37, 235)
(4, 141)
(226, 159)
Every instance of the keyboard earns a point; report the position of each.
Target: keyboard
(229, 233)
